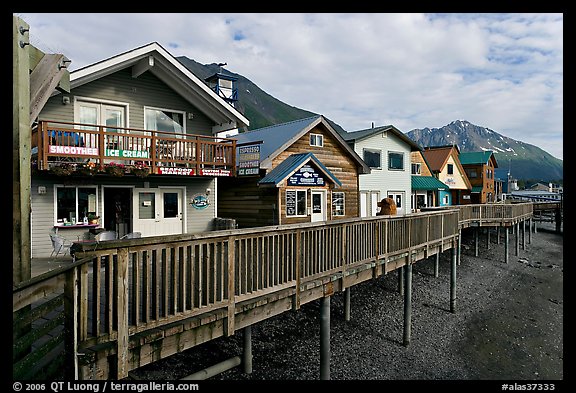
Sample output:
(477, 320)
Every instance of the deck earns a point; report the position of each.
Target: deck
(132, 302)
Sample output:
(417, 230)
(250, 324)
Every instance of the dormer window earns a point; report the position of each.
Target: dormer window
(317, 140)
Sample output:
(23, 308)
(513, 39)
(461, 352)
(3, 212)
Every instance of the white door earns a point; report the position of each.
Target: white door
(101, 114)
(374, 199)
(398, 197)
(318, 206)
(158, 211)
(364, 204)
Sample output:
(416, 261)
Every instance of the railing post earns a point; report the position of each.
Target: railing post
(296, 301)
(71, 323)
(122, 314)
(229, 328)
(101, 151)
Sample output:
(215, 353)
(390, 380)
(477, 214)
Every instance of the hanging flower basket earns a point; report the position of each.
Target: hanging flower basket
(140, 172)
(140, 169)
(63, 169)
(113, 169)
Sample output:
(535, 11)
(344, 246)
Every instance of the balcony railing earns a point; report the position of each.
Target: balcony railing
(163, 152)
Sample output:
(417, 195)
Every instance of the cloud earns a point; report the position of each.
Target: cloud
(502, 71)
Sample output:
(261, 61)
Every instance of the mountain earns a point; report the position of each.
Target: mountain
(524, 161)
(254, 103)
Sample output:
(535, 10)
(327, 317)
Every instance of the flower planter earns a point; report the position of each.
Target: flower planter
(115, 171)
(140, 172)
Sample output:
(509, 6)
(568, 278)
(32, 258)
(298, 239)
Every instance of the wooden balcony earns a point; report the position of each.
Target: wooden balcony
(54, 143)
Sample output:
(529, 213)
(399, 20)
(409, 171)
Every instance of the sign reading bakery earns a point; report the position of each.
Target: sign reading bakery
(307, 175)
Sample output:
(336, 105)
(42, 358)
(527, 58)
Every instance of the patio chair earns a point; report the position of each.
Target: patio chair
(103, 236)
(132, 235)
(59, 245)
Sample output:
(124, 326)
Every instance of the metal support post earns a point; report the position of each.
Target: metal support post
(453, 282)
(347, 304)
(476, 242)
(506, 243)
(437, 265)
(407, 303)
(325, 338)
(247, 353)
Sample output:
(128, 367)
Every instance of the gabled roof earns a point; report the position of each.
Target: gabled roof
(428, 183)
(277, 138)
(356, 136)
(154, 58)
(477, 157)
(437, 156)
(293, 163)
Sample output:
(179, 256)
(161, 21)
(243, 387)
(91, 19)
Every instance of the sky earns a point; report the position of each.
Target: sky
(409, 70)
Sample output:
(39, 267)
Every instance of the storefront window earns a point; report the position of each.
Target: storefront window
(74, 203)
(295, 203)
(337, 203)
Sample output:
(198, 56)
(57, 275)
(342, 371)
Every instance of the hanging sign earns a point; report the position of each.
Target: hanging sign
(306, 176)
(200, 202)
(249, 160)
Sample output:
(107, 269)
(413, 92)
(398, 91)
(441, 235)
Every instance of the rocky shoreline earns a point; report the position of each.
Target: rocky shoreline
(508, 325)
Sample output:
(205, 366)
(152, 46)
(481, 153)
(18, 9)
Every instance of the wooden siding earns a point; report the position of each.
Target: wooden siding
(385, 180)
(416, 157)
(146, 90)
(250, 205)
(482, 180)
(333, 156)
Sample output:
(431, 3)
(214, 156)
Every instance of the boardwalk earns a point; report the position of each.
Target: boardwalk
(495, 335)
(141, 300)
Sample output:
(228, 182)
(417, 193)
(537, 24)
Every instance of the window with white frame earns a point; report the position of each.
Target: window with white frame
(296, 203)
(317, 140)
(72, 203)
(395, 161)
(337, 203)
(372, 158)
(416, 167)
(157, 119)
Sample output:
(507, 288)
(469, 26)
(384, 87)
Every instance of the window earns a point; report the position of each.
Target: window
(395, 160)
(372, 158)
(164, 120)
(337, 203)
(74, 203)
(472, 173)
(316, 140)
(416, 168)
(295, 203)
(450, 169)
(446, 199)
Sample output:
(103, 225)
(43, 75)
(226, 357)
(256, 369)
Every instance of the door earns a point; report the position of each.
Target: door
(398, 198)
(158, 211)
(318, 206)
(101, 114)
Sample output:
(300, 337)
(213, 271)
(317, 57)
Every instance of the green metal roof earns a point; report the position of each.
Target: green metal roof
(427, 183)
(476, 157)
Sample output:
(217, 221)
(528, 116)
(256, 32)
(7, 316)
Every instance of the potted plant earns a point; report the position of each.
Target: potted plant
(93, 218)
(115, 169)
(140, 169)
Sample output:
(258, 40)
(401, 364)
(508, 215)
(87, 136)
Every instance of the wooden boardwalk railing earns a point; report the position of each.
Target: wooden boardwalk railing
(131, 302)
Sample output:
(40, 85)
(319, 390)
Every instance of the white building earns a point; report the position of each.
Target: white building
(386, 150)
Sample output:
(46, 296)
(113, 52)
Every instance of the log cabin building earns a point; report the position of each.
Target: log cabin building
(306, 173)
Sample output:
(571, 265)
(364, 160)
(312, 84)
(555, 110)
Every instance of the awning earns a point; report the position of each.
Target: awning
(428, 183)
(476, 189)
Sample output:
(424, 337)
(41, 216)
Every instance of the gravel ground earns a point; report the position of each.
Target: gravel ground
(508, 325)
